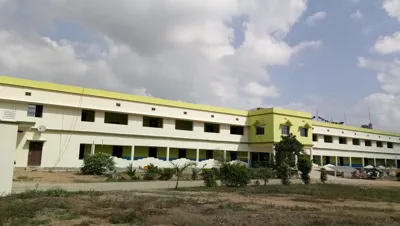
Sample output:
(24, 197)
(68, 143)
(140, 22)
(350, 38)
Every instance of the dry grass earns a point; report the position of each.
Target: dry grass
(271, 205)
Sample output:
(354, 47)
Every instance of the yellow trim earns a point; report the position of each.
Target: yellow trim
(353, 128)
(287, 123)
(307, 126)
(5, 80)
(280, 111)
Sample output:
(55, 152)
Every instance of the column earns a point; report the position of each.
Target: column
(351, 165)
(132, 153)
(92, 148)
(363, 162)
(395, 162)
(273, 153)
(375, 162)
(295, 160)
(224, 155)
(336, 161)
(386, 163)
(248, 159)
(322, 160)
(311, 156)
(197, 155)
(167, 158)
(8, 133)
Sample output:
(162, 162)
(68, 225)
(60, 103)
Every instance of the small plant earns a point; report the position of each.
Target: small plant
(283, 172)
(234, 174)
(166, 173)
(195, 172)
(323, 176)
(152, 172)
(209, 177)
(178, 170)
(265, 174)
(131, 172)
(305, 167)
(97, 164)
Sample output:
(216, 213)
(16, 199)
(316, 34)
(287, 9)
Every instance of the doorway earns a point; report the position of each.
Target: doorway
(35, 153)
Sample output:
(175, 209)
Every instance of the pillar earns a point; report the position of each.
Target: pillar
(273, 153)
(322, 160)
(8, 134)
(351, 165)
(92, 148)
(363, 162)
(386, 163)
(311, 156)
(197, 155)
(295, 160)
(167, 157)
(375, 162)
(224, 155)
(248, 159)
(132, 153)
(336, 161)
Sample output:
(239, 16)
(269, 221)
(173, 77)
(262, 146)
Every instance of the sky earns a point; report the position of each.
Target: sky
(338, 58)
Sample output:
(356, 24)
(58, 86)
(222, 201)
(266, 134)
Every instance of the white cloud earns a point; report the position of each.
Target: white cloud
(172, 49)
(392, 7)
(311, 20)
(357, 15)
(388, 44)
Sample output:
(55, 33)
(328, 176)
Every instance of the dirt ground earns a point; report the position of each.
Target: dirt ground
(22, 175)
(239, 206)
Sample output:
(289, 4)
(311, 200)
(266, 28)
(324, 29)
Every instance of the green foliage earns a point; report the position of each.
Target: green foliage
(209, 177)
(97, 164)
(266, 174)
(283, 172)
(152, 172)
(305, 167)
(195, 173)
(234, 175)
(131, 172)
(323, 176)
(166, 173)
(178, 170)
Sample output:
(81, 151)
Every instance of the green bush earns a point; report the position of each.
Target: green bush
(234, 175)
(305, 166)
(166, 173)
(323, 176)
(97, 164)
(152, 172)
(209, 177)
(265, 174)
(283, 172)
(131, 172)
(195, 173)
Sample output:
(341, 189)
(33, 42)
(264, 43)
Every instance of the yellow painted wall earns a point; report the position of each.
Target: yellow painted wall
(295, 128)
(268, 128)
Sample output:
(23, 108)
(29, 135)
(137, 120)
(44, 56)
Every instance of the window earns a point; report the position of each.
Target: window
(35, 110)
(328, 139)
(182, 153)
(356, 141)
(260, 130)
(233, 155)
(211, 128)
(315, 137)
(342, 140)
(389, 145)
(117, 151)
(153, 152)
(184, 125)
(115, 118)
(81, 151)
(152, 122)
(87, 116)
(237, 130)
(209, 154)
(379, 144)
(368, 143)
(28, 94)
(303, 132)
(285, 130)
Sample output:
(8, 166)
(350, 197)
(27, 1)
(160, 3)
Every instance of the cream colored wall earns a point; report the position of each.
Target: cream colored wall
(350, 150)
(8, 135)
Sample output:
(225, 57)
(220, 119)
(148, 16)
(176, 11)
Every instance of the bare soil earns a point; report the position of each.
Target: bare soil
(49, 177)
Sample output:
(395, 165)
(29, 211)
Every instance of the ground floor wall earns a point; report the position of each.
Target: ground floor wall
(8, 140)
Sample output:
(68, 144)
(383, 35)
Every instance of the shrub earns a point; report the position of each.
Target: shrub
(166, 173)
(305, 167)
(234, 174)
(265, 174)
(323, 176)
(178, 170)
(195, 174)
(97, 164)
(152, 172)
(131, 172)
(283, 173)
(209, 177)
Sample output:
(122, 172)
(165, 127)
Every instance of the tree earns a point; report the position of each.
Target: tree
(305, 167)
(178, 170)
(285, 152)
(323, 176)
(265, 174)
(234, 174)
(97, 164)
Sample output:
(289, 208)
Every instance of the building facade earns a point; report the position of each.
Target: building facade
(58, 125)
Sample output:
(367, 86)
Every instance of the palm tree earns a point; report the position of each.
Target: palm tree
(178, 170)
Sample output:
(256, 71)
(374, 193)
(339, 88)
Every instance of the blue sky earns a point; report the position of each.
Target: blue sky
(183, 50)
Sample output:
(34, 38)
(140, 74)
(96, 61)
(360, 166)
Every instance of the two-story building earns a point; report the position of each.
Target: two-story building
(55, 125)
